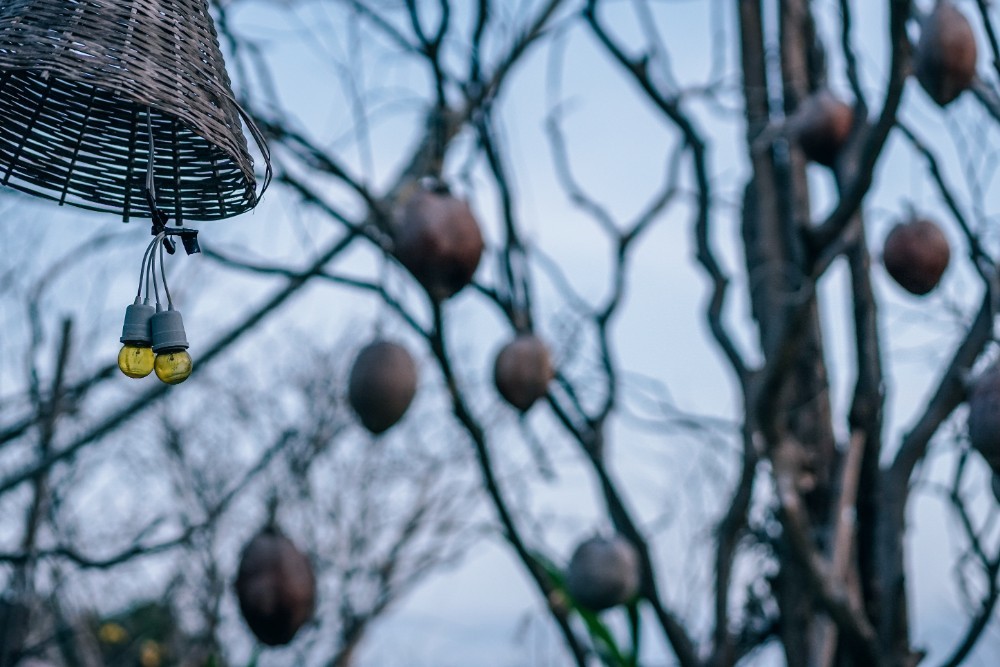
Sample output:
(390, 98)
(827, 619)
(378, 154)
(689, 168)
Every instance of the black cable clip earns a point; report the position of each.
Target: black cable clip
(189, 237)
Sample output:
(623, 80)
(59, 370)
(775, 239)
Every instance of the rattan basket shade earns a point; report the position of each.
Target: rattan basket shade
(82, 80)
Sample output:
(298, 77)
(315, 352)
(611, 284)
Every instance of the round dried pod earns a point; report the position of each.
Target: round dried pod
(984, 416)
(439, 242)
(603, 573)
(276, 587)
(945, 59)
(522, 371)
(382, 384)
(822, 126)
(916, 254)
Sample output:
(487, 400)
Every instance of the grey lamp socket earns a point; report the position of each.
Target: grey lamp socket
(137, 324)
(168, 331)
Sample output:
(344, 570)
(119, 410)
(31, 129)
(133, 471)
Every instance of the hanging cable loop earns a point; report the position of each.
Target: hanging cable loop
(189, 237)
(142, 270)
(163, 276)
(151, 272)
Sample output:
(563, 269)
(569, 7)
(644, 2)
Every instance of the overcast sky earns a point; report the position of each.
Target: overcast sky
(485, 613)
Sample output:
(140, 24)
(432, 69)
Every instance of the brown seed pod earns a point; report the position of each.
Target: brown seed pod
(439, 242)
(945, 58)
(522, 371)
(276, 587)
(916, 254)
(382, 384)
(603, 573)
(822, 126)
(984, 416)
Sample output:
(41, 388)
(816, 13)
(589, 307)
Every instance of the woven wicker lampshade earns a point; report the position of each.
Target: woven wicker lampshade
(82, 84)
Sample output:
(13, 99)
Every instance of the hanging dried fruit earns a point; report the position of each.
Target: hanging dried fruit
(439, 242)
(603, 573)
(822, 126)
(916, 254)
(945, 58)
(523, 370)
(984, 416)
(382, 384)
(276, 587)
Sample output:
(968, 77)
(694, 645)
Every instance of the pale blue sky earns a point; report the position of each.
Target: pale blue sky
(473, 615)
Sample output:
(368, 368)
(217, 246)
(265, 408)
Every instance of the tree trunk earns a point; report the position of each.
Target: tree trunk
(775, 212)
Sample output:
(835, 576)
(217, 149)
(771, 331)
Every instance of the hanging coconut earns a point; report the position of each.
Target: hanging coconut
(984, 416)
(822, 126)
(916, 254)
(945, 58)
(276, 587)
(522, 371)
(382, 384)
(603, 573)
(438, 240)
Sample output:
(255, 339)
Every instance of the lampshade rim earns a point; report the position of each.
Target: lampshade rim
(20, 177)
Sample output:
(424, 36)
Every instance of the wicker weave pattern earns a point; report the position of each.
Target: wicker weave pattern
(80, 80)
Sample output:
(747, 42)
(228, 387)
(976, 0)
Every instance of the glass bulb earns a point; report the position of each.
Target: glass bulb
(135, 361)
(173, 367)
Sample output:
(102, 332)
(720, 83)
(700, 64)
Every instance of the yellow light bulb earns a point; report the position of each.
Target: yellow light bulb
(135, 361)
(173, 367)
